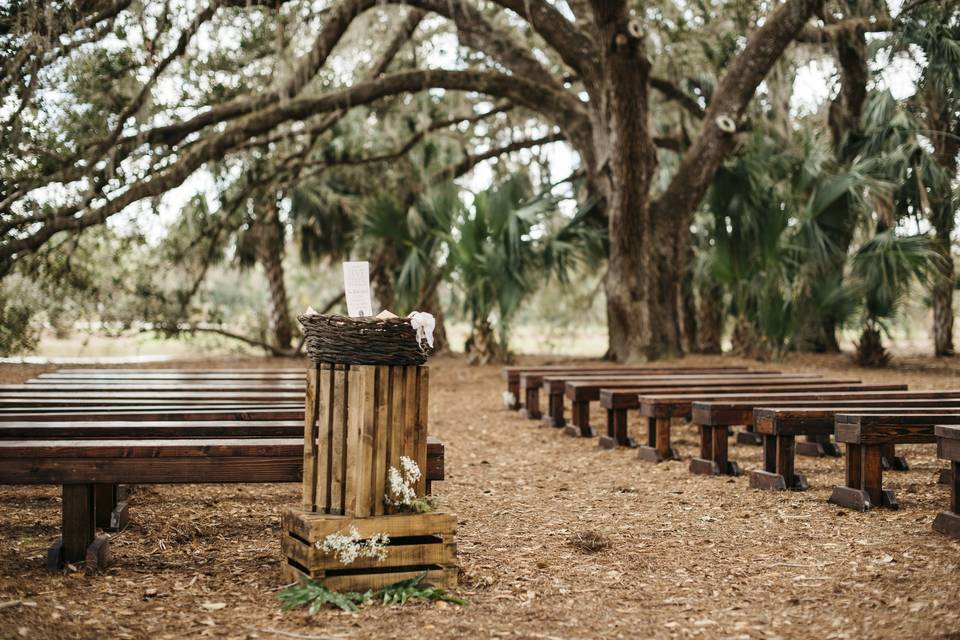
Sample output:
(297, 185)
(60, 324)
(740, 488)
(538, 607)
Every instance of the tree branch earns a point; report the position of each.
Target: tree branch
(812, 34)
(577, 50)
(555, 106)
(734, 91)
(675, 93)
(469, 162)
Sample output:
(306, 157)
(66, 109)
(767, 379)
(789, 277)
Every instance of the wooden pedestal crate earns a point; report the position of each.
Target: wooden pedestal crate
(418, 543)
(359, 421)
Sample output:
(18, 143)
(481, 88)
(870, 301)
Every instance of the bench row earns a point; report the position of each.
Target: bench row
(868, 419)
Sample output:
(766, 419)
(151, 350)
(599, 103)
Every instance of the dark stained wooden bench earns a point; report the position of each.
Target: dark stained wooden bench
(714, 427)
(864, 437)
(97, 429)
(715, 418)
(80, 465)
(582, 392)
(948, 448)
(90, 461)
(532, 381)
(160, 371)
(512, 398)
(235, 386)
(618, 402)
(247, 422)
(158, 412)
(780, 427)
(100, 398)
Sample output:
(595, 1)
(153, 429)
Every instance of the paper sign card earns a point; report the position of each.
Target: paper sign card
(356, 288)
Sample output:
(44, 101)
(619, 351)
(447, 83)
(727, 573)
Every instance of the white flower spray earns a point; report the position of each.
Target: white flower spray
(348, 547)
(402, 493)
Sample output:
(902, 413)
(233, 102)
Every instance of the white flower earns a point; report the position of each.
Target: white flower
(349, 547)
(402, 492)
(410, 469)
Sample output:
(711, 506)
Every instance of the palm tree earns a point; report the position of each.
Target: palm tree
(933, 29)
(883, 270)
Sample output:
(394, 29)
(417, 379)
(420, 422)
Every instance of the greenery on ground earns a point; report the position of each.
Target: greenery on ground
(312, 596)
(191, 169)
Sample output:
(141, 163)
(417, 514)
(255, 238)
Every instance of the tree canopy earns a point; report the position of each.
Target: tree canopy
(699, 189)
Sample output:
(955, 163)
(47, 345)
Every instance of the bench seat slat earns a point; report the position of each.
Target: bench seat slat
(166, 470)
(158, 448)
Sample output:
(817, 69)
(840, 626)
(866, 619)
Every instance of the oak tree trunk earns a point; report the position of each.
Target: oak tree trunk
(642, 326)
(943, 285)
(710, 321)
(270, 252)
(944, 129)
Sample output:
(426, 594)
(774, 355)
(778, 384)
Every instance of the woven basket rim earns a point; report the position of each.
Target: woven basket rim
(361, 319)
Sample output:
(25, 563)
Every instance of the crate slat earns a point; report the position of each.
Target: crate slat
(419, 542)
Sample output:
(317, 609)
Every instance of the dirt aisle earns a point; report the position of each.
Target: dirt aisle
(689, 556)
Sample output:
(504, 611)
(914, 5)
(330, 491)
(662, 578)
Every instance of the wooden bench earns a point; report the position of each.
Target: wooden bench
(80, 465)
(618, 402)
(714, 426)
(532, 381)
(59, 442)
(90, 469)
(714, 417)
(582, 392)
(234, 386)
(864, 436)
(512, 376)
(158, 412)
(512, 398)
(948, 448)
(159, 371)
(556, 387)
(780, 426)
(102, 398)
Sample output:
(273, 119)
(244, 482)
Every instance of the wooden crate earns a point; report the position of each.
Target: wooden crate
(359, 421)
(418, 543)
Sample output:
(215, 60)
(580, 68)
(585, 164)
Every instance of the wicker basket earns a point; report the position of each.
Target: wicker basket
(346, 340)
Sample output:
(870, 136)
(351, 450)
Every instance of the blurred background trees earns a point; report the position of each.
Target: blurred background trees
(181, 168)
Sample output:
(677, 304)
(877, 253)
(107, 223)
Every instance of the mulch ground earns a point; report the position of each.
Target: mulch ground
(680, 556)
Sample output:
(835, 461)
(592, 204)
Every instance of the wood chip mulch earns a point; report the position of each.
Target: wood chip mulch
(557, 538)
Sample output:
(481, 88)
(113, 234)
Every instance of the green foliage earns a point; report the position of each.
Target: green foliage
(313, 596)
(885, 266)
(424, 504)
(17, 333)
(411, 589)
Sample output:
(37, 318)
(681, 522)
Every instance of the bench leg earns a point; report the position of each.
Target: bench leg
(768, 478)
(818, 446)
(706, 442)
(719, 462)
(948, 522)
(581, 421)
(554, 417)
(864, 475)
(946, 476)
(749, 436)
(531, 404)
(786, 463)
(658, 446)
(721, 452)
(78, 542)
(617, 435)
(704, 464)
(891, 461)
(112, 513)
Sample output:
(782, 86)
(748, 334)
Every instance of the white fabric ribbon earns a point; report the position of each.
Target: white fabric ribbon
(424, 324)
